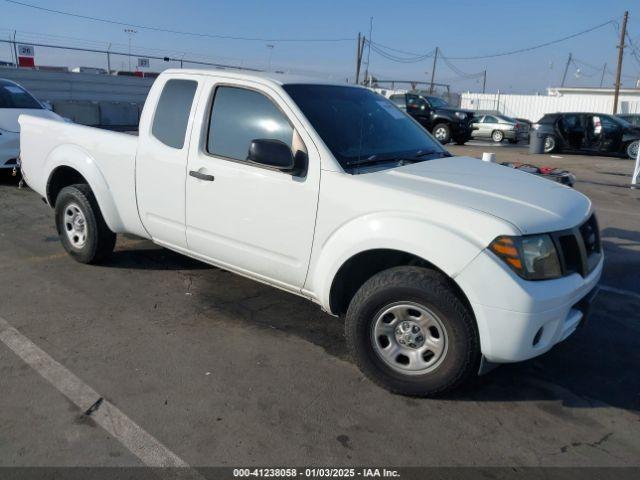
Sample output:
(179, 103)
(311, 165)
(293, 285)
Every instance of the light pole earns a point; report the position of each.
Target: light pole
(270, 47)
(131, 32)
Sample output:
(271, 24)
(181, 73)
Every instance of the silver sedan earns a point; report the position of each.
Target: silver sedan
(499, 127)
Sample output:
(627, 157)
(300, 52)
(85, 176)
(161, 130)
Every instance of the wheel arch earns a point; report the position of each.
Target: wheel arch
(359, 268)
(68, 165)
(378, 241)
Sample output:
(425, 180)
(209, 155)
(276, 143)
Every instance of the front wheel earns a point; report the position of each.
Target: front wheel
(442, 132)
(632, 149)
(410, 333)
(82, 229)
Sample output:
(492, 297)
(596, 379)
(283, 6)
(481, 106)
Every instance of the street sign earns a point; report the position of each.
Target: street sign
(143, 63)
(26, 55)
(26, 51)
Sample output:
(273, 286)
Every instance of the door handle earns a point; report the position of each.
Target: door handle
(201, 176)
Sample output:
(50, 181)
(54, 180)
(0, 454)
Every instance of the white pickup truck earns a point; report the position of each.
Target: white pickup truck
(442, 266)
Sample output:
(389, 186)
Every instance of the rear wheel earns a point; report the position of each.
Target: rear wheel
(81, 227)
(442, 132)
(409, 332)
(632, 149)
(497, 136)
(550, 144)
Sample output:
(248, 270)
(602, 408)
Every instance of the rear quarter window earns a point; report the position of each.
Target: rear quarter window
(172, 113)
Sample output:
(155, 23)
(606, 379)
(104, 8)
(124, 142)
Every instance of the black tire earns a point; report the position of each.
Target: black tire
(100, 241)
(631, 149)
(460, 142)
(497, 136)
(426, 288)
(442, 132)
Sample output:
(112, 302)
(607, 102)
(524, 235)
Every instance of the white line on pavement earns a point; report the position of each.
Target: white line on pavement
(143, 445)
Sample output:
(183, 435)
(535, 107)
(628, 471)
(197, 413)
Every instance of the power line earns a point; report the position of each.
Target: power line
(178, 32)
(459, 72)
(512, 52)
(395, 58)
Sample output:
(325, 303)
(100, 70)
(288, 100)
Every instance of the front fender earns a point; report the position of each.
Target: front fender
(69, 155)
(449, 250)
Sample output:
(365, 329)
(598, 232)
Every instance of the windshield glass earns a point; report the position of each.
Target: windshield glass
(13, 96)
(437, 102)
(360, 126)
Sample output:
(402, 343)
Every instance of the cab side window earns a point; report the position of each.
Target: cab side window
(172, 113)
(239, 116)
(490, 119)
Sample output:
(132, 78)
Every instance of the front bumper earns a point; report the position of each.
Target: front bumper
(519, 319)
(9, 149)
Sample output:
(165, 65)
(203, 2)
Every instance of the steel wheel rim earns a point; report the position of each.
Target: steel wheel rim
(75, 225)
(425, 338)
(441, 133)
(632, 151)
(549, 144)
(497, 136)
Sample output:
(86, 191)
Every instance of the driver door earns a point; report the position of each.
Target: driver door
(242, 216)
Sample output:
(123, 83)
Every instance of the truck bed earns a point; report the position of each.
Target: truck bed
(105, 158)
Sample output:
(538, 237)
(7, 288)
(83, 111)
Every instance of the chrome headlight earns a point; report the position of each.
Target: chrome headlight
(461, 115)
(533, 257)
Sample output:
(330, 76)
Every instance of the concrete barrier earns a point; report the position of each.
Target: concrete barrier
(118, 114)
(83, 112)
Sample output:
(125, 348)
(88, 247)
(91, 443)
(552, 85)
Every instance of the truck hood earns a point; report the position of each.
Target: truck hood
(530, 203)
(9, 117)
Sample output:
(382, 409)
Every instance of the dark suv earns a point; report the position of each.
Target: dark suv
(437, 116)
(596, 133)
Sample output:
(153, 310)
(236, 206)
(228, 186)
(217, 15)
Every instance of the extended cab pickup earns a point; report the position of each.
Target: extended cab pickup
(441, 266)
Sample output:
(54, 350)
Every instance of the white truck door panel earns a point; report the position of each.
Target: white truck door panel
(161, 162)
(252, 219)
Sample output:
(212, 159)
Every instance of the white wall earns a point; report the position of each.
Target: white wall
(54, 86)
(533, 107)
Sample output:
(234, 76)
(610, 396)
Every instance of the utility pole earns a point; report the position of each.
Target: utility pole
(566, 69)
(484, 81)
(366, 72)
(604, 70)
(109, 60)
(270, 47)
(433, 70)
(623, 32)
(358, 58)
(15, 48)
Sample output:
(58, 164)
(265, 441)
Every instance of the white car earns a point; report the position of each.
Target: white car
(14, 101)
(440, 265)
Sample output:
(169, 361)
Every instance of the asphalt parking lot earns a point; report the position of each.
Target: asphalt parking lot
(223, 371)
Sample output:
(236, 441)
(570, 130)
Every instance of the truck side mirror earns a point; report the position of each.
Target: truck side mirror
(271, 154)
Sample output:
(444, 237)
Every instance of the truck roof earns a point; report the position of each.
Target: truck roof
(267, 77)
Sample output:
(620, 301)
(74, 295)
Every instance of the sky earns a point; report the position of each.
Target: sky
(459, 28)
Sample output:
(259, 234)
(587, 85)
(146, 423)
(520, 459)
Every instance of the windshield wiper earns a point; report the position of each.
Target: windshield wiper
(418, 157)
(442, 154)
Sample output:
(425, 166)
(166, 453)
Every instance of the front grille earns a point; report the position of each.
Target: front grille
(579, 248)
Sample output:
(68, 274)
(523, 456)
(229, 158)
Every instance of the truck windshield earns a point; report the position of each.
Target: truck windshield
(13, 96)
(437, 102)
(361, 127)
